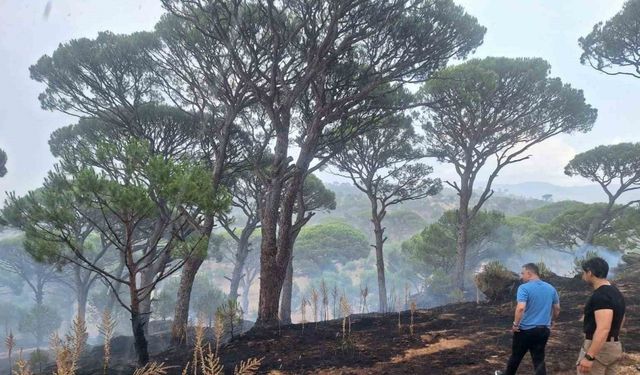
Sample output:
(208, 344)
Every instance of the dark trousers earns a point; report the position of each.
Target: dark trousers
(530, 340)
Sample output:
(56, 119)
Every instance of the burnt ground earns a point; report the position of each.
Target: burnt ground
(455, 339)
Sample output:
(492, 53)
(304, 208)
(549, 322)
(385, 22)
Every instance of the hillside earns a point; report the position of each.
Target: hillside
(454, 339)
(584, 193)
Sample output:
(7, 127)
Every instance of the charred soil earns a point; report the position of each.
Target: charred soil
(466, 338)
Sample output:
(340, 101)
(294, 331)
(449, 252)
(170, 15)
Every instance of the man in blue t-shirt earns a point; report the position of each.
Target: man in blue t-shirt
(538, 305)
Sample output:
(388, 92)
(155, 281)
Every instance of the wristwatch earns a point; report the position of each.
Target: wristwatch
(588, 357)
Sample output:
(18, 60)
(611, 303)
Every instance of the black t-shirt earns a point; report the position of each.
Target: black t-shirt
(605, 297)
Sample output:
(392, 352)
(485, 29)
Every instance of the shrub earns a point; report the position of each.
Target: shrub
(497, 282)
(545, 272)
(577, 261)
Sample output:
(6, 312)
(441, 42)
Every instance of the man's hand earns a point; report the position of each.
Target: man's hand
(584, 366)
(515, 328)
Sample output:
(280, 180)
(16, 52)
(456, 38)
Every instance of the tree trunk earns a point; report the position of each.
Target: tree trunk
(192, 265)
(139, 339)
(241, 258)
(83, 294)
(272, 271)
(461, 253)
(181, 317)
(277, 219)
(594, 226)
(461, 243)
(39, 295)
(287, 292)
(271, 280)
(382, 285)
(145, 313)
(245, 295)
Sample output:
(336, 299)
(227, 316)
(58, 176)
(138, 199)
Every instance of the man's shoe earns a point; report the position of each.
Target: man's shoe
(498, 372)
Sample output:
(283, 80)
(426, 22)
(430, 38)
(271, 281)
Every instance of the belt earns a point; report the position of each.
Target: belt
(610, 339)
(534, 327)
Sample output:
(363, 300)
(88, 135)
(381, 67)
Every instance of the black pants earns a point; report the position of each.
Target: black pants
(530, 340)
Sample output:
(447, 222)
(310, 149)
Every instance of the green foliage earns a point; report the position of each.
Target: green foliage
(546, 213)
(384, 163)
(89, 76)
(577, 261)
(10, 315)
(523, 231)
(231, 314)
(163, 304)
(570, 227)
(613, 47)
(40, 321)
(316, 196)
(206, 298)
(491, 93)
(322, 246)
(608, 163)
(38, 359)
(544, 270)
(496, 282)
(435, 247)
(402, 223)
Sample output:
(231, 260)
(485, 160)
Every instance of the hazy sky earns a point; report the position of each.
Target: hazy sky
(516, 28)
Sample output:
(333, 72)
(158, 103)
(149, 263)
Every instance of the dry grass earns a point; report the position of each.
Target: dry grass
(334, 296)
(22, 366)
(106, 328)
(218, 331)
(198, 350)
(314, 304)
(303, 311)
(64, 356)
(152, 368)
(205, 362)
(10, 343)
(248, 367)
(77, 339)
(399, 309)
(345, 309)
(364, 293)
(413, 312)
(325, 300)
(406, 295)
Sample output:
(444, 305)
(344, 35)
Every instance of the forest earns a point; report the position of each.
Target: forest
(185, 209)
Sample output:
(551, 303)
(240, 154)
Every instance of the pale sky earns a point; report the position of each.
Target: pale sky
(516, 28)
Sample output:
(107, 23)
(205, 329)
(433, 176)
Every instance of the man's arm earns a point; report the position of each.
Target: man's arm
(520, 307)
(604, 317)
(555, 312)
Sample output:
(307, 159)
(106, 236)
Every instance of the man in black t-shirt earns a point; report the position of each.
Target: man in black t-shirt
(603, 319)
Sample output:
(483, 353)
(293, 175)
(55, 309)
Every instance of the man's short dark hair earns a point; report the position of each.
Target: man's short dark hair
(598, 267)
(532, 267)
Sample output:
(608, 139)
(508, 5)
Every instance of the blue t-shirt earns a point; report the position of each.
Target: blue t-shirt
(539, 297)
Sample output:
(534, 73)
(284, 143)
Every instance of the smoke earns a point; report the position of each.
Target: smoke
(561, 262)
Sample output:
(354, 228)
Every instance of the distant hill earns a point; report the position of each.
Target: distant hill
(409, 218)
(584, 193)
